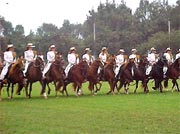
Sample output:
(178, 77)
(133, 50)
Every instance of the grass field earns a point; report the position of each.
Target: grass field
(152, 113)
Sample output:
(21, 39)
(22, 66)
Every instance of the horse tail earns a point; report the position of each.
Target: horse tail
(20, 86)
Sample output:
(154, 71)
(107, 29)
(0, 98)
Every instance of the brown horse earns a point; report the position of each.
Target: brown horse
(173, 73)
(55, 74)
(77, 75)
(15, 75)
(157, 73)
(34, 74)
(140, 73)
(125, 75)
(108, 73)
(93, 76)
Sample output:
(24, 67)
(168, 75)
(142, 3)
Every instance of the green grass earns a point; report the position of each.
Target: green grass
(152, 113)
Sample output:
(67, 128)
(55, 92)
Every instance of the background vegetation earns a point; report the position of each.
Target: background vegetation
(116, 27)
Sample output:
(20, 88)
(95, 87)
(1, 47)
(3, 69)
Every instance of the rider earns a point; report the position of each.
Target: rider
(134, 56)
(73, 59)
(168, 55)
(120, 60)
(152, 58)
(29, 56)
(87, 56)
(9, 58)
(104, 55)
(51, 54)
(178, 54)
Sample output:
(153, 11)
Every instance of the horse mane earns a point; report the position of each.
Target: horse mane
(110, 61)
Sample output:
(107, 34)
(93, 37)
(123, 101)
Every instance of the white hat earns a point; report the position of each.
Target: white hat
(168, 49)
(87, 49)
(131, 57)
(72, 48)
(121, 50)
(104, 48)
(153, 49)
(133, 50)
(10, 45)
(52, 46)
(30, 45)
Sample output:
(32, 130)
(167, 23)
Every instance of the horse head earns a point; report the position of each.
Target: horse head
(39, 62)
(162, 61)
(97, 63)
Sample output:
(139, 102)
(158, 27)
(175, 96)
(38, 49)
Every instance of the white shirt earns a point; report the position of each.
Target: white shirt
(8, 57)
(72, 59)
(51, 56)
(151, 58)
(177, 55)
(103, 57)
(87, 58)
(120, 59)
(168, 57)
(29, 55)
(134, 56)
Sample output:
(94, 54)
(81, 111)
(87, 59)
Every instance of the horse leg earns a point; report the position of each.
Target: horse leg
(126, 87)
(12, 90)
(49, 89)
(98, 88)
(160, 86)
(26, 89)
(8, 90)
(146, 90)
(136, 86)
(43, 92)
(175, 84)
(90, 87)
(30, 89)
(65, 89)
(111, 84)
(166, 84)
(74, 89)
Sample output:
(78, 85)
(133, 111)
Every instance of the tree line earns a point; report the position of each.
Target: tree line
(152, 24)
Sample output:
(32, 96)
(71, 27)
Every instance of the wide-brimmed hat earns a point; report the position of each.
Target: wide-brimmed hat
(72, 48)
(52, 46)
(133, 50)
(168, 49)
(153, 49)
(87, 49)
(30, 45)
(121, 50)
(104, 48)
(10, 45)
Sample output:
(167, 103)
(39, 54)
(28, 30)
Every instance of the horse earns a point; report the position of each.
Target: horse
(157, 73)
(14, 75)
(93, 76)
(125, 75)
(34, 74)
(56, 75)
(108, 73)
(77, 75)
(173, 73)
(140, 73)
